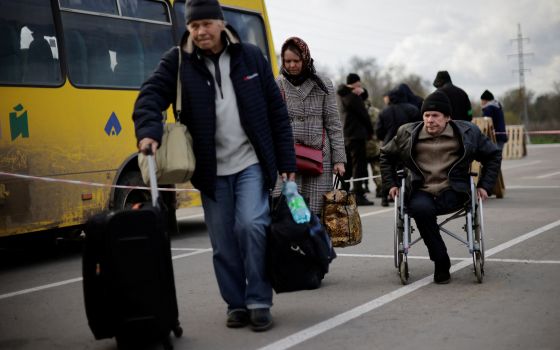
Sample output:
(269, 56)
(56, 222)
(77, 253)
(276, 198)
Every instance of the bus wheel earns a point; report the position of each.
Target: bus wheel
(126, 197)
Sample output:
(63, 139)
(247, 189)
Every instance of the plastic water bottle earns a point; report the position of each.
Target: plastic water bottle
(298, 208)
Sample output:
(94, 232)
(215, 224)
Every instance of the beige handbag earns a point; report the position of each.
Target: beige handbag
(175, 160)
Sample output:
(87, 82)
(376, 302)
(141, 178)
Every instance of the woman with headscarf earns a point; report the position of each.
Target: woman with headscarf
(314, 117)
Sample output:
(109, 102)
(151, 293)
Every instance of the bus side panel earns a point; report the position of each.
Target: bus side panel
(57, 134)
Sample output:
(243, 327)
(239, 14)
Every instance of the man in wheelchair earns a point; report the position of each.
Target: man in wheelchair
(438, 152)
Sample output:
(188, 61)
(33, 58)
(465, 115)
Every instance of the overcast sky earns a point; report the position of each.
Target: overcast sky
(470, 39)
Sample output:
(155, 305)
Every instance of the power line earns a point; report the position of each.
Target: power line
(521, 70)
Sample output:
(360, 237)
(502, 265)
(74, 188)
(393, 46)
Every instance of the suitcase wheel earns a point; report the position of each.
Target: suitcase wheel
(178, 331)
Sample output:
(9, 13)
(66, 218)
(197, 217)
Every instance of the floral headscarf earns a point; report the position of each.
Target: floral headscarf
(308, 70)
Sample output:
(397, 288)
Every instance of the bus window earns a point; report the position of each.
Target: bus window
(113, 51)
(28, 49)
(100, 6)
(249, 26)
(151, 10)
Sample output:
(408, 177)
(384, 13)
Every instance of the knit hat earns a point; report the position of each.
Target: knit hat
(437, 101)
(487, 96)
(203, 9)
(352, 78)
(442, 77)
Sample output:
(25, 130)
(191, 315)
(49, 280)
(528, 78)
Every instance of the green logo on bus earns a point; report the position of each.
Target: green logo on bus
(19, 124)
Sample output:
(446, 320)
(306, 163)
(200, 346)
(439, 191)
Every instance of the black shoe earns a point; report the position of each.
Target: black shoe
(442, 277)
(441, 273)
(261, 319)
(362, 200)
(237, 318)
(384, 202)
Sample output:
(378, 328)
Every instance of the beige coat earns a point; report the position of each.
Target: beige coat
(311, 110)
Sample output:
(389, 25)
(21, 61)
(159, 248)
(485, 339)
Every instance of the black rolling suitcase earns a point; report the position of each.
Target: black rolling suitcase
(128, 281)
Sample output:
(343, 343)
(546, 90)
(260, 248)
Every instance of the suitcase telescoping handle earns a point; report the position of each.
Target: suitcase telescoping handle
(152, 172)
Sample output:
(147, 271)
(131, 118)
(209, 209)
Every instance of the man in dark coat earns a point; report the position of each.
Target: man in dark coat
(460, 104)
(438, 153)
(493, 108)
(410, 96)
(357, 130)
(242, 140)
(398, 112)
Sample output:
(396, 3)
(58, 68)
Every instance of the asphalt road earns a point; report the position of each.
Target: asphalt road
(361, 305)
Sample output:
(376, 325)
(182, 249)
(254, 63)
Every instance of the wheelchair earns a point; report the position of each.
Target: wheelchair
(474, 228)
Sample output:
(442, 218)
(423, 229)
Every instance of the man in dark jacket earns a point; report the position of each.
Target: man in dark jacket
(492, 108)
(398, 112)
(460, 103)
(242, 140)
(410, 97)
(357, 130)
(438, 153)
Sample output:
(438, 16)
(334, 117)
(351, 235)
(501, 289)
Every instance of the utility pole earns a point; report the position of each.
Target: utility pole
(521, 70)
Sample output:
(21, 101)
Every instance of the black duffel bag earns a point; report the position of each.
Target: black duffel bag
(298, 255)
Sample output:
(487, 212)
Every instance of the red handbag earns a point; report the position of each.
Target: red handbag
(309, 161)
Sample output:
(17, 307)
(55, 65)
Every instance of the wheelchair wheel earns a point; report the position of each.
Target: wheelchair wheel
(398, 232)
(403, 269)
(479, 232)
(478, 269)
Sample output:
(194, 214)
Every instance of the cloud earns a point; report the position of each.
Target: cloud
(474, 47)
(472, 40)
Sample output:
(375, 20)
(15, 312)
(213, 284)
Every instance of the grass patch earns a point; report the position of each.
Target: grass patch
(543, 139)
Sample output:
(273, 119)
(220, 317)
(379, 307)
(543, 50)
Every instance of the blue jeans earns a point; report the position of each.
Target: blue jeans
(237, 222)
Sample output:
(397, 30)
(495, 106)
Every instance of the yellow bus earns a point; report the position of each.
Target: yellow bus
(70, 71)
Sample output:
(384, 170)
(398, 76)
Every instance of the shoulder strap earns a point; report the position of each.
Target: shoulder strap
(178, 106)
(282, 89)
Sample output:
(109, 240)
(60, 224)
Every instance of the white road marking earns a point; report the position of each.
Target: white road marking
(200, 251)
(532, 187)
(523, 261)
(187, 249)
(194, 216)
(414, 257)
(36, 289)
(513, 166)
(376, 212)
(548, 175)
(383, 256)
(79, 279)
(375, 303)
(319, 328)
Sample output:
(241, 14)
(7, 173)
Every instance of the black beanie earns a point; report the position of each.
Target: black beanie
(203, 9)
(352, 78)
(487, 95)
(437, 101)
(442, 77)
